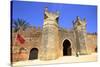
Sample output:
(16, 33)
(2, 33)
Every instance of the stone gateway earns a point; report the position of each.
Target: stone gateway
(52, 42)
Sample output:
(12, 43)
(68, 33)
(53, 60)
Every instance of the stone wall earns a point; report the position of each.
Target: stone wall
(33, 40)
(49, 41)
(50, 37)
(91, 43)
(67, 35)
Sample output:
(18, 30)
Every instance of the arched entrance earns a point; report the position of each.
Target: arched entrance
(33, 54)
(67, 48)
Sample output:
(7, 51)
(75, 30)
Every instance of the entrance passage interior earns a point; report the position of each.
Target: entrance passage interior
(33, 54)
(67, 48)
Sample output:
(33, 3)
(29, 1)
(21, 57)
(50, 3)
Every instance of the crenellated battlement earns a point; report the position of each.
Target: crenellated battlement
(51, 15)
(79, 24)
(50, 39)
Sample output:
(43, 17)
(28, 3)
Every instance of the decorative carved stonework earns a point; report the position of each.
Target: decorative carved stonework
(49, 41)
(80, 28)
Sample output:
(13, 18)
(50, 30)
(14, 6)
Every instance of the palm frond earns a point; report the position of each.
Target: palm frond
(19, 23)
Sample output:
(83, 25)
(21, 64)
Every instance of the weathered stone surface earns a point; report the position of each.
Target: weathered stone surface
(80, 32)
(49, 40)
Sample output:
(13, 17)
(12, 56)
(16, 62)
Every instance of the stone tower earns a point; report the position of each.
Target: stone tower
(80, 32)
(50, 37)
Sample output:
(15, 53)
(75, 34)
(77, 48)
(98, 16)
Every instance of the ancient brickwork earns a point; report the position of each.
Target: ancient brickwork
(52, 42)
(80, 31)
(50, 37)
(91, 42)
(32, 38)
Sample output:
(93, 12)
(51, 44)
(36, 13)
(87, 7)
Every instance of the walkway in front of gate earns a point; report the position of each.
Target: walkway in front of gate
(64, 59)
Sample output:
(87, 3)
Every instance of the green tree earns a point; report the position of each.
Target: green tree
(19, 24)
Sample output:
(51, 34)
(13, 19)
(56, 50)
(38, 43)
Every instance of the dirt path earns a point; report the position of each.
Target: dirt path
(65, 59)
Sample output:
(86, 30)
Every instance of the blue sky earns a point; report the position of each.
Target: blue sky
(33, 13)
